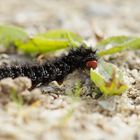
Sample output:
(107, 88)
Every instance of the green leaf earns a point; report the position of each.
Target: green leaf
(40, 43)
(61, 34)
(108, 78)
(117, 44)
(11, 35)
(51, 41)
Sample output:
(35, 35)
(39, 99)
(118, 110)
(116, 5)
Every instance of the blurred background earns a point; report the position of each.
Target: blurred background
(107, 17)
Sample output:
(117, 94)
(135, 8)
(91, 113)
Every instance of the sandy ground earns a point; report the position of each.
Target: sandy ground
(53, 112)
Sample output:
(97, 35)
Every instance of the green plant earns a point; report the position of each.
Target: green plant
(16, 98)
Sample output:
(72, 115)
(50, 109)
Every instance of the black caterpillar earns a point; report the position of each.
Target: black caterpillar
(55, 70)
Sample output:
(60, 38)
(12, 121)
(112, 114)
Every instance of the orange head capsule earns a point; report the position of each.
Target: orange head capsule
(91, 64)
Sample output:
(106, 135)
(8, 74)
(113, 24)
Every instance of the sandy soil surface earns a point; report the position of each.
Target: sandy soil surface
(53, 112)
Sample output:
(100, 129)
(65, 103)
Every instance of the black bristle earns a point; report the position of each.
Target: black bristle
(55, 70)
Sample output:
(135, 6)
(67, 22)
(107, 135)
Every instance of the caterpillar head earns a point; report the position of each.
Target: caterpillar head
(90, 59)
(83, 58)
(91, 64)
